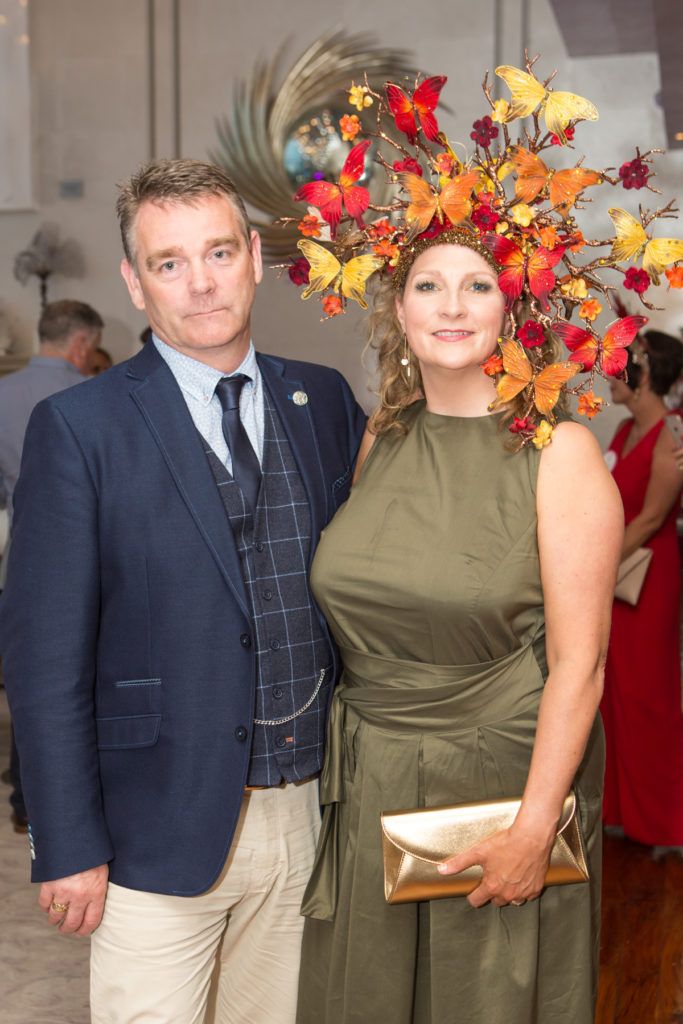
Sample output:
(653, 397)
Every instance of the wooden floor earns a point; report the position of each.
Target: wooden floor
(641, 975)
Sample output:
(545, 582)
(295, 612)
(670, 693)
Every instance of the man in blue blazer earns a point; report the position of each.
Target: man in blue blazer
(168, 669)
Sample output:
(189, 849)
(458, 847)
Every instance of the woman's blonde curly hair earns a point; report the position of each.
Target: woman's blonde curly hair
(397, 390)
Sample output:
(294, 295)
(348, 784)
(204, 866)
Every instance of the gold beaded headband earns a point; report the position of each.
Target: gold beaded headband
(452, 236)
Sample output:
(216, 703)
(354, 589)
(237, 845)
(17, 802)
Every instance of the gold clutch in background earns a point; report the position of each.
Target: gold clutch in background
(414, 842)
(631, 575)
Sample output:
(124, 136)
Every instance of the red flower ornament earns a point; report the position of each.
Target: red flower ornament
(634, 174)
(484, 131)
(637, 280)
(531, 334)
(522, 426)
(299, 271)
(484, 217)
(409, 165)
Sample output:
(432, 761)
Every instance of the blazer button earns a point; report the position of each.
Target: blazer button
(245, 640)
(241, 733)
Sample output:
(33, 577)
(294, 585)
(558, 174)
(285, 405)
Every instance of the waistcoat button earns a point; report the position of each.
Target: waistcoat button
(278, 692)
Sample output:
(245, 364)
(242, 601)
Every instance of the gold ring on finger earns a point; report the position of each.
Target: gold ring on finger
(59, 908)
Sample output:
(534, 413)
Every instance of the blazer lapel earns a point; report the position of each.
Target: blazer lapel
(300, 429)
(159, 399)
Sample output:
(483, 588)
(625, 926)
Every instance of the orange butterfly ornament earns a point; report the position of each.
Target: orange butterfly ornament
(454, 201)
(564, 187)
(545, 385)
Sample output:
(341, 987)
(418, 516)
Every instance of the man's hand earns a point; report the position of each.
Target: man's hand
(75, 904)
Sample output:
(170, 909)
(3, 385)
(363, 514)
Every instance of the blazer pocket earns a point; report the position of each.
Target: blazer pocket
(128, 698)
(126, 733)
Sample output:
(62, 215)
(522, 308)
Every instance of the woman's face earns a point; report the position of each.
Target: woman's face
(451, 308)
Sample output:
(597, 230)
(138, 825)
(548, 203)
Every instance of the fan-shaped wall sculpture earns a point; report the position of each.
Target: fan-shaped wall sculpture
(282, 133)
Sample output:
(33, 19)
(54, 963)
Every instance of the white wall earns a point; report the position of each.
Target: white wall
(91, 121)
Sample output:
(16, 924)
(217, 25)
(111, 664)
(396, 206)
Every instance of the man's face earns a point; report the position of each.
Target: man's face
(195, 277)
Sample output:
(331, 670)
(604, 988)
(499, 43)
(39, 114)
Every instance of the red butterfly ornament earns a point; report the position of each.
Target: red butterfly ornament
(517, 265)
(611, 351)
(328, 197)
(410, 111)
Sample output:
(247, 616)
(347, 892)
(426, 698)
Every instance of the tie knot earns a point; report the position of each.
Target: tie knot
(229, 390)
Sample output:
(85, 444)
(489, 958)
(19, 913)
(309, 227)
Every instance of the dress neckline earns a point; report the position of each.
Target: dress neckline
(638, 443)
(439, 417)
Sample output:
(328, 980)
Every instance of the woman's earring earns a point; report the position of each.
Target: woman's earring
(405, 360)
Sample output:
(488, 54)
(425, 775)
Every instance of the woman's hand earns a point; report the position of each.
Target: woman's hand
(514, 864)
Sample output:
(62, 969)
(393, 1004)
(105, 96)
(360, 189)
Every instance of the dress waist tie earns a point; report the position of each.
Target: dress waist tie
(416, 698)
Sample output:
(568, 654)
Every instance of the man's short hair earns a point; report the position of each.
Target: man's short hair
(173, 181)
(60, 320)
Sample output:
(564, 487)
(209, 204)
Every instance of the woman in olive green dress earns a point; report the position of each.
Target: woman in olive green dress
(469, 589)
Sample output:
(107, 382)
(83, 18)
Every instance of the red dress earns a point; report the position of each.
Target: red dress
(641, 707)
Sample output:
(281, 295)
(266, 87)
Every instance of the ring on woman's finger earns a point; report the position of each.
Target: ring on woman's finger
(517, 903)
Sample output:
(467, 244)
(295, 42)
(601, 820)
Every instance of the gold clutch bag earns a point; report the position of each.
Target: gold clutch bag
(414, 842)
(631, 575)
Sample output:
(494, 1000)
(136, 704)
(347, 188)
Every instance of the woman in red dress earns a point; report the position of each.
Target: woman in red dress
(641, 707)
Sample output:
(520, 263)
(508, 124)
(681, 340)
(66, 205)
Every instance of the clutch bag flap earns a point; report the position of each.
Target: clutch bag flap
(631, 575)
(414, 842)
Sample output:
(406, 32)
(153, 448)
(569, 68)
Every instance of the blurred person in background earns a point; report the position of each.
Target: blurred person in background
(101, 361)
(69, 333)
(641, 707)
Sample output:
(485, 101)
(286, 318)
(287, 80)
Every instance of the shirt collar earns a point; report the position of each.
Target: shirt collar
(198, 379)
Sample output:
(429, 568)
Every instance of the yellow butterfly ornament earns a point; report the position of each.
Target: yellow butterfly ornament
(327, 272)
(633, 241)
(558, 108)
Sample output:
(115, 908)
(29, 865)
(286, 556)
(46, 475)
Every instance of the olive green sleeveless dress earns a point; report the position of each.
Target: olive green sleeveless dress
(429, 578)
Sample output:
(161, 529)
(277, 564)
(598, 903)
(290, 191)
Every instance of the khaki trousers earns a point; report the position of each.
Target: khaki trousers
(229, 956)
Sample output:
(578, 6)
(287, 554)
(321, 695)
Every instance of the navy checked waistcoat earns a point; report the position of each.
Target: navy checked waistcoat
(293, 658)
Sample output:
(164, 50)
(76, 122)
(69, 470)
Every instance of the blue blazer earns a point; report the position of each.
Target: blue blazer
(125, 628)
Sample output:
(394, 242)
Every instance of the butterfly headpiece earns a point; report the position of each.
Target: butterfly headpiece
(506, 200)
